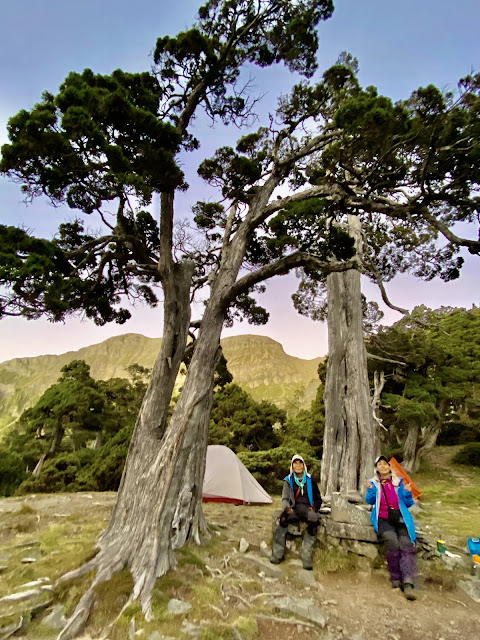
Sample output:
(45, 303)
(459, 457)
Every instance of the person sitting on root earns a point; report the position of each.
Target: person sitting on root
(394, 524)
(301, 502)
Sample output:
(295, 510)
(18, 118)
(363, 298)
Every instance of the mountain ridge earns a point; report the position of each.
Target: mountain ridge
(258, 364)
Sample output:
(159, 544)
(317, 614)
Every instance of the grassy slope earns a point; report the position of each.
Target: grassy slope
(451, 497)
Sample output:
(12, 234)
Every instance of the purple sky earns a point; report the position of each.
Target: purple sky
(399, 45)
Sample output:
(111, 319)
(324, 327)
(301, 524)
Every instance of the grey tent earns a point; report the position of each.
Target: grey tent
(228, 480)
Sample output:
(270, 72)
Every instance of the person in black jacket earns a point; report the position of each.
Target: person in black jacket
(301, 502)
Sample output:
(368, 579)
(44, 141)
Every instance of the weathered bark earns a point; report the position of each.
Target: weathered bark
(419, 442)
(350, 433)
(410, 448)
(98, 440)
(131, 539)
(54, 447)
(382, 431)
(163, 475)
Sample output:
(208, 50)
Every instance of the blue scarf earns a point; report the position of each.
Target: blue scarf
(300, 483)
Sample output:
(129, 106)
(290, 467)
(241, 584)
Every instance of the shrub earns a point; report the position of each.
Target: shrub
(270, 467)
(107, 468)
(458, 433)
(12, 471)
(62, 474)
(470, 454)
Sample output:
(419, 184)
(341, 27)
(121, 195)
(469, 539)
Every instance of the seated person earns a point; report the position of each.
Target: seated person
(301, 502)
(394, 524)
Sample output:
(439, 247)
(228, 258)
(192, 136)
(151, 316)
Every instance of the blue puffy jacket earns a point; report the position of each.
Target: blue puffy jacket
(405, 500)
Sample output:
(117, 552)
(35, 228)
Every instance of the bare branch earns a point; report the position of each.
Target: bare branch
(385, 298)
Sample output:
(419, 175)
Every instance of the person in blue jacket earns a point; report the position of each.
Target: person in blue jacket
(394, 524)
(301, 502)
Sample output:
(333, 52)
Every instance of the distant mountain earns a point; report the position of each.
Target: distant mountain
(258, 364)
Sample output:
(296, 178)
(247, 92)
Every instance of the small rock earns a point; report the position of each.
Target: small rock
(35, 583)
(26, 545)
(306, 577)
(190, 629)
(295, 562)
(366, 549)
(243, 546)
(265, 550)
(305, 608)
(178, 607)
(23, 595)
(471, 588)
(330, 602)
(452, 562)
(3, 567)
(29, 560)
(6, 632)
(268, 569)
(55, 619)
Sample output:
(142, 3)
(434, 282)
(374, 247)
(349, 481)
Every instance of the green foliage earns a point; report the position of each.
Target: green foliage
(437, 383)
(270, 467)
(73, 407)
(81, 409)
(107, 465)
(62, 473)
(309, 425)
(12, 471)
(470, 454)
(115, 138)
(239, 422)
(98, 139)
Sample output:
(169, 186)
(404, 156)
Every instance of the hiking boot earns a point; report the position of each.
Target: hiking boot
(307, 550)
(396, 584)
(278, 545)
(408, 592)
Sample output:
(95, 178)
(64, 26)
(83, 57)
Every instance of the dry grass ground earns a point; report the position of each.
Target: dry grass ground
(233, 599)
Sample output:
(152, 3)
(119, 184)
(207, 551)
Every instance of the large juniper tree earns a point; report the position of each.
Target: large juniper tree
(405, 173)
(113, 140)
(338, 147)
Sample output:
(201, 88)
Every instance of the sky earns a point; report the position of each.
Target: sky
(399, 45)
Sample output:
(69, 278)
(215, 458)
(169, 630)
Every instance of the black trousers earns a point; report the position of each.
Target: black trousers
(394, 537)
(301, 513)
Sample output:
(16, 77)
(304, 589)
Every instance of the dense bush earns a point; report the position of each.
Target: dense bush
(12, 471)
(458, 433)
(63, 473)
(107, 467)
(239, 422)
(470, 454)
(270, 467)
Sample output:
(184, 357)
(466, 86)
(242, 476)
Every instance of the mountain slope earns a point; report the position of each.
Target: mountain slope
(258, 364)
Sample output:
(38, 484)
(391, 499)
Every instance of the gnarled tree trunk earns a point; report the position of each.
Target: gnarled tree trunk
(133, 535)
(159, 500)
(350, 433)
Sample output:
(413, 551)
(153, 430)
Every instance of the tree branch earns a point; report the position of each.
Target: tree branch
(283, 266)
(385, 298)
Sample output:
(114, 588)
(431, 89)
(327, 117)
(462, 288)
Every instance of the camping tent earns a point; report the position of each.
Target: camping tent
(228, 480)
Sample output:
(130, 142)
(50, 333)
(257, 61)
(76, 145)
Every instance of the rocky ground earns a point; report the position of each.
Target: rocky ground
(220, 591)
